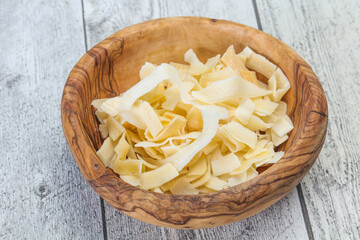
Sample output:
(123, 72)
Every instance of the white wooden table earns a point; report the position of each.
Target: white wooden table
(43, 194)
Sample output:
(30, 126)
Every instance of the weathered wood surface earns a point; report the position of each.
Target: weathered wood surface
(42, 194)
(52, 199)
(326, 34)
(103, 19)
(107, 17)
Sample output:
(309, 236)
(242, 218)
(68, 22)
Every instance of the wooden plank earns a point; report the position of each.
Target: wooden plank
(105, 18)
(43, 194)
(327, 35)
(283, 220)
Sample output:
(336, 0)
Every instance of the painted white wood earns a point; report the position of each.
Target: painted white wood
(106, 17)
(326, 34)
(283, 220)
(42, 193)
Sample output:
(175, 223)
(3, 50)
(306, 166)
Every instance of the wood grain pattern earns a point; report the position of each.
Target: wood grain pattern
(43, 201)
(326, 34)
(43, 194)
(112, 67)
(106, 17)
(280, 221)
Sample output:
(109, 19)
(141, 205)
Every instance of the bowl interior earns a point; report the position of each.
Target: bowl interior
(117, 62)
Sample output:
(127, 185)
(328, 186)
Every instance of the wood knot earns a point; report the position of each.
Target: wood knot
(12, 80)
(42, 191)
(213, 20)
(320, 113)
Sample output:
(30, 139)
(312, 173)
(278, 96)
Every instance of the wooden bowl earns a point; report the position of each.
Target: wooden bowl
(112, 67)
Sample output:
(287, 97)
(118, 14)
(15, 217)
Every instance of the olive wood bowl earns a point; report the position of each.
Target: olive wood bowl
(112, 67)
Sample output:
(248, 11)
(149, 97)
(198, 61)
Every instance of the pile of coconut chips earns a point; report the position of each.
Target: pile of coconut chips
(196, 128)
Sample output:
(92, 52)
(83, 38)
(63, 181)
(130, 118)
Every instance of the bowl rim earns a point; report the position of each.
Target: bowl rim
(93, 169)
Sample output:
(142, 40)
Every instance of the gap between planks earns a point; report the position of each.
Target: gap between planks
(305, 212)
(102, 206)
(298, 187)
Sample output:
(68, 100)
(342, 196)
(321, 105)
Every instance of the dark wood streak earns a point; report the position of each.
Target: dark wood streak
(321, 113)
(112, 67)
